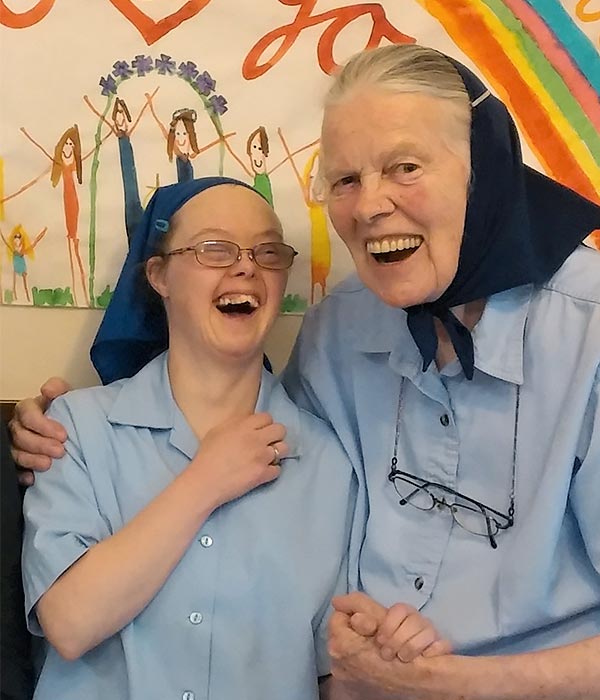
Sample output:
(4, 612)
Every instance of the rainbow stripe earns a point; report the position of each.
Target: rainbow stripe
(547, 72)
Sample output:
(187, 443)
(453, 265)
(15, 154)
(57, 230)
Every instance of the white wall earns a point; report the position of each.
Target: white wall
(37, 343)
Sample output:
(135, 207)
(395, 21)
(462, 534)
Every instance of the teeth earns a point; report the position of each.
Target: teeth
(392, 243)
(227, 299)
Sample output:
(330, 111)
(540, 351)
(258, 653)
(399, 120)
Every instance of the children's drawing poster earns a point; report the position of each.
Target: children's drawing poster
(105, 100)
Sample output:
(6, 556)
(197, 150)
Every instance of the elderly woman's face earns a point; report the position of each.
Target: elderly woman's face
(225, 312)
(397, 170)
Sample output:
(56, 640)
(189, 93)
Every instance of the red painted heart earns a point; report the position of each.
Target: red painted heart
(153, 30)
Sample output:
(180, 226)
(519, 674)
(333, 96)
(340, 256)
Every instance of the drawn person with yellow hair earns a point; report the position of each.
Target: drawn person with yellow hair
(19, 245)
(320, 245)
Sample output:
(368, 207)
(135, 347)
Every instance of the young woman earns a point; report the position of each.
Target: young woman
(189, 542)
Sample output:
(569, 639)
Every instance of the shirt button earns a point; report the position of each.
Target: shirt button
(187, 695)
(195, 618)
(445, 420)
(206, 541)
(419, 583)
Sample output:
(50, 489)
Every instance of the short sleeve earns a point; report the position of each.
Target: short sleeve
(62, 518)
(585, 486)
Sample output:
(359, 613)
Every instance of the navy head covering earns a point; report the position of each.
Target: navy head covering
(520, 226)
(134, 328)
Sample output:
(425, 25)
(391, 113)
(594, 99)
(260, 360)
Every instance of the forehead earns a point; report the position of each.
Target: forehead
(237, 211)
(378, 122)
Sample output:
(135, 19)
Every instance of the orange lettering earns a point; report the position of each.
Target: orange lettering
(21, 20)
(339, 18)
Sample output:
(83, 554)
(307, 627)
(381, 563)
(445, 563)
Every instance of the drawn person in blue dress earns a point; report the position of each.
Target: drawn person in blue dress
(123, 126)
(19, 246)
(181, 139)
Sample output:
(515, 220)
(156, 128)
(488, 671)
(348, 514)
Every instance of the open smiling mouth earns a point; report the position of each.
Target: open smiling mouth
(237, 304)
(393, 249)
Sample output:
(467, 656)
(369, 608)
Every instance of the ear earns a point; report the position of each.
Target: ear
(156, 268)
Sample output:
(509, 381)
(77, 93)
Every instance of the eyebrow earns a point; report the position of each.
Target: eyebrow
(397, 150)
(222, 234)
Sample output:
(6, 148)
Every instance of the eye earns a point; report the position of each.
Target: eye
(344, 184)
(404, 172)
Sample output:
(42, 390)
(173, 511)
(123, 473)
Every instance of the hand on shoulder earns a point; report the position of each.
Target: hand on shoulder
(37, 439)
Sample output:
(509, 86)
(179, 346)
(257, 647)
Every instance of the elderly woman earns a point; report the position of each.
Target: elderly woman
(168, 554)
(460, 370)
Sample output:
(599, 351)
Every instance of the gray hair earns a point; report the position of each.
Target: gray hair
(404, 68)
(400, 68)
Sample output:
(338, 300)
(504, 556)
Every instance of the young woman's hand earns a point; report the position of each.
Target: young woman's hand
(240, 455)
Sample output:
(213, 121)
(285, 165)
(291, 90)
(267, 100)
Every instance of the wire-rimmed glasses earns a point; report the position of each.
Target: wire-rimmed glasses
(272, 255)
(471, 515)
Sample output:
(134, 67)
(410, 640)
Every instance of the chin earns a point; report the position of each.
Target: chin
(400, 298)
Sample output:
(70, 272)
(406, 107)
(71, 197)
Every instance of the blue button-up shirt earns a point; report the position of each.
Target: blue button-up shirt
(541, 586)
(243, 613)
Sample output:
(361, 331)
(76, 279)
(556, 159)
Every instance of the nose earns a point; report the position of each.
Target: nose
(244, 266)
(373, 201)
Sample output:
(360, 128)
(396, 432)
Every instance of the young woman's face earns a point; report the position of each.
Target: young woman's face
(397, 168)
(224, 312)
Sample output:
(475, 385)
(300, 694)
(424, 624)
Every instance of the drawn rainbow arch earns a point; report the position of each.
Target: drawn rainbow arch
(546, 69)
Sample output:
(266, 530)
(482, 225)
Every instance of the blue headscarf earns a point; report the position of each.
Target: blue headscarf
(520, 226)
(134, 328)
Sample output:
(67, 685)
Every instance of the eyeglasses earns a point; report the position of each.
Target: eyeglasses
(473, 516)
(270, 256)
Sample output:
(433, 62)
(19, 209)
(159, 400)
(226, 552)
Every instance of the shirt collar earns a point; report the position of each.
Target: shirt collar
(498, 337)
(146, 401)
(273, 399)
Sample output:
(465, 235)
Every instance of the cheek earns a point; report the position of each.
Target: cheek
(340, 214)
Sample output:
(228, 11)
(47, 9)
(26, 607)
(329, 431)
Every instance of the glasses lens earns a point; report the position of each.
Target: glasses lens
(413, 495)
(274, 256)
(472, 519)
(216, 253)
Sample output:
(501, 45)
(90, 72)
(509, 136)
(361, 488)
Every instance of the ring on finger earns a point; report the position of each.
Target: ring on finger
(276, 458)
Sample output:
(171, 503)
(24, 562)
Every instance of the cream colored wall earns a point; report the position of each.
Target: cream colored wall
(38, 343)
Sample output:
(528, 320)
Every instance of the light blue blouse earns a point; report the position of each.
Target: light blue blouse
(243, 613)
(541, 586)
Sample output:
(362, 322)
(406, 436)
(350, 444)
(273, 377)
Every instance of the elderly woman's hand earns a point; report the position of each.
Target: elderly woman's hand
(36, 439)
(399, 632)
